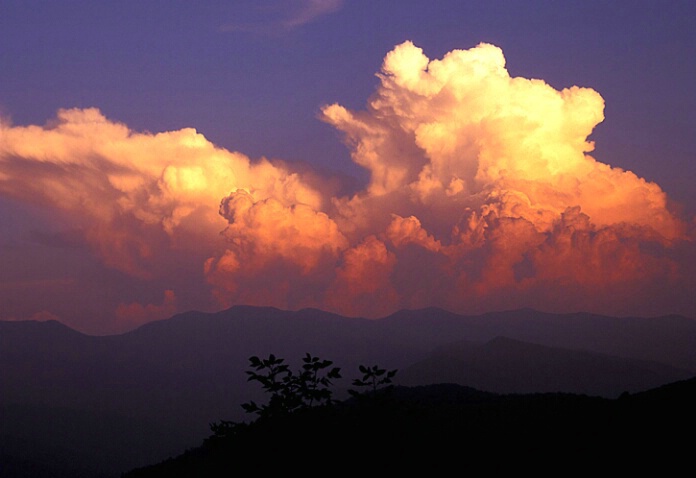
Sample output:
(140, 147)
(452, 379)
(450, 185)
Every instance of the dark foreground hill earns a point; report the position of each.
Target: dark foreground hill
(443, 428)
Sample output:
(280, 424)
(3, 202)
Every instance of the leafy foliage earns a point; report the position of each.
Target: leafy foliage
(308, 387)
(290, 391)
(373, 379)
(226, 428)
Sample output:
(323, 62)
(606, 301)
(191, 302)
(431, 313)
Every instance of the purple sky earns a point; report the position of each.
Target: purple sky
(253, 76)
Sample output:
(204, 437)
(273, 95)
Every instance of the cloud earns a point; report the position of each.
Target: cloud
(135, 314)
(461, 130)
(482, 194)
(146, 205)
(275, 251)
(136, 196)
(41, 316)
(310, 10)
(495, 168)
(494, 174)
(363, 280)
(273, 16)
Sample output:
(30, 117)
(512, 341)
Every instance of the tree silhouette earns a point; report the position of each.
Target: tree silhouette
(290, 391)
(373, 379)
(309, 387)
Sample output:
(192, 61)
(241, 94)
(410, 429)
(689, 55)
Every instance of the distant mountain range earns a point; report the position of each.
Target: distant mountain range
(113, 403)
(505, 365)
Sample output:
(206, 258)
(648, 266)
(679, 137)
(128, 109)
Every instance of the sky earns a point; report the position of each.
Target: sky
(355, 156)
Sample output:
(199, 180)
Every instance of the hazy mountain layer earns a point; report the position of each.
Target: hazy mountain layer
(163, 383)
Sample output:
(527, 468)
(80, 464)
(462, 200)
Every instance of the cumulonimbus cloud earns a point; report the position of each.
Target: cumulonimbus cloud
(482, 194)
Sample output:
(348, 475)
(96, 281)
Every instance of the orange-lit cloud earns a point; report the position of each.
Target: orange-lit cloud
(482, 194)
(135, 314)
(40, 316)
(136, 195)
(494, 175)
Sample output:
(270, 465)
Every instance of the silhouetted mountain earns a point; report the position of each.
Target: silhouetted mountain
(41, 441)
(437, 429)
(669, 339)
(505, 365)
(153, 391)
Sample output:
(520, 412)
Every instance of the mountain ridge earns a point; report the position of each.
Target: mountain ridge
(505, 365)
(188, 370)
(400, 314)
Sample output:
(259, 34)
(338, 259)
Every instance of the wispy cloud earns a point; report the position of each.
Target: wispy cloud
(311, 10)
(274, 16)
